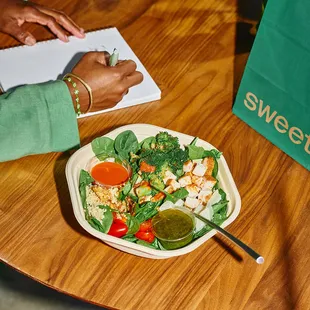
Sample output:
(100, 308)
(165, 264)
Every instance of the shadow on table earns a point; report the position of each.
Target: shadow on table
(249, 13)
(64, 195)
(224, 245)
(19, 292)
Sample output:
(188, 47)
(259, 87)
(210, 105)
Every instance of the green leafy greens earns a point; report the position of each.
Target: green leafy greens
(126, 143)
(85, 179)
(146, 211)
(103, 147)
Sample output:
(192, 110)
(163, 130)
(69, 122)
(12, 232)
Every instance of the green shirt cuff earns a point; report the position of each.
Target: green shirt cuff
(36, 119)
(64, 133)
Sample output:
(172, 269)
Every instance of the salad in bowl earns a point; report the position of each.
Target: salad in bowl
(144, 192)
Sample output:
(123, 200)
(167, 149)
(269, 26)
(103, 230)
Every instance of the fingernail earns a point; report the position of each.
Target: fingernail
(30, 41)
(82, 33)
(66, 38)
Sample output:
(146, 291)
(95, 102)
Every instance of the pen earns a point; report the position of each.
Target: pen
(113, 58)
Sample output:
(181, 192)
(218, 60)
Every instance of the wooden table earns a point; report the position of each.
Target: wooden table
(189, 48)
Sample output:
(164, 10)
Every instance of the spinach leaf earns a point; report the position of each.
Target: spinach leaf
(215, 169)
(103, 147)
(195, 152)
(198, 152)
(133, 224)
(202, 232)
(220, 209)
(125, 143)
(179, 172)
(219, 205)
(212, 153)
(94, 223)
(155, 244)
(219, 218)
(121, 196)
(223, 212)
(181, 193)
(130, 238)
(147, 211)
(107, 219)
(217, 154)
(85, 179)
(223, 194)
(147, 142)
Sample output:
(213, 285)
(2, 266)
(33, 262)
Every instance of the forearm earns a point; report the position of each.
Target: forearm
(37, 119)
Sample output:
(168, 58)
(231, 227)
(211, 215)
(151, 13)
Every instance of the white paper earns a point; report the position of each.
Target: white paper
(51, 60)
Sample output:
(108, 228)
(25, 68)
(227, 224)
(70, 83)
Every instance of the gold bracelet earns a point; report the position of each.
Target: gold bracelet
(87, 88)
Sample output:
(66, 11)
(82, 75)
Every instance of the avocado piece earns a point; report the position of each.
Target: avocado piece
(157, 182)
(143, 190)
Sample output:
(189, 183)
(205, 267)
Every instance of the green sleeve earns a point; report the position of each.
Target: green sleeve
(37, 119)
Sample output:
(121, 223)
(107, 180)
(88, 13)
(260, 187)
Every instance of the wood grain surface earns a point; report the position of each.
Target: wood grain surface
(195, 51)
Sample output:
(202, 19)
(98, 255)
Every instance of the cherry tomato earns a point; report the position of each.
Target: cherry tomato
(147, 236)
(146, 167)
(118, 229)
(146, 226)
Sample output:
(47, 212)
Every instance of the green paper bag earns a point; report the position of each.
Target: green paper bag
(274, 94)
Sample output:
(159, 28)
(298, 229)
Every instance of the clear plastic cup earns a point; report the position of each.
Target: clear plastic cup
(95, 161)
(174, 227)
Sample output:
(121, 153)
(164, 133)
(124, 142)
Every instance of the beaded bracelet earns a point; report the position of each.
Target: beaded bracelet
(68, 77)
(76, 93)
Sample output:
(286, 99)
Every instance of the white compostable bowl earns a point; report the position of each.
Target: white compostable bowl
(80, 159)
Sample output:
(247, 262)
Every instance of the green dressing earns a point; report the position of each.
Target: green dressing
(174, 228)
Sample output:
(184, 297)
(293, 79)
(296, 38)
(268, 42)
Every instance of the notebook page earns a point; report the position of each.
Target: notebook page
(52, 59)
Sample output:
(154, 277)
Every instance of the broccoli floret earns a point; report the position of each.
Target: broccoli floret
(166, 142)
(163, 161)
(162, 169)
(177, 158)
(167, 155)
(155, 158)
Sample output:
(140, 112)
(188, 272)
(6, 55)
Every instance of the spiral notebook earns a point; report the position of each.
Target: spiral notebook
(52, 59)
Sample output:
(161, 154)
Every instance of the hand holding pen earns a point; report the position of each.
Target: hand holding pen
(107, 83)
